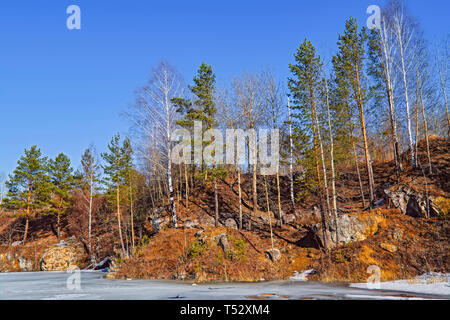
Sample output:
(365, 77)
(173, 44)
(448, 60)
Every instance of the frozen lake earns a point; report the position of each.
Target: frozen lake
(93, 285)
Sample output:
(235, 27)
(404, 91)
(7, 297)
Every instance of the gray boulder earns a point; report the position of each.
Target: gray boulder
(230, 223)
(409, 202)
(225, 245)
(273, 254)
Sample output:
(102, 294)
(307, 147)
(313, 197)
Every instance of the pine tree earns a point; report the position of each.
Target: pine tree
(202, 108)
(348, 68)
(61, 176)
(303, 86)
(116, 171)
(29, 187)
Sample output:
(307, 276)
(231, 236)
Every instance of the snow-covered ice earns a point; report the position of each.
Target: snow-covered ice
(93, 285)
(429, 283)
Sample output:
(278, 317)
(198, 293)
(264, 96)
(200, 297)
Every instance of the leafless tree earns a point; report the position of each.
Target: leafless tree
(154, 116)
(404, 29)
(442, 60)
(252, 108)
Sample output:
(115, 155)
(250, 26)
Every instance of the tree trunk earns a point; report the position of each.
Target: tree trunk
(316, 156)
(90, 220)
(131, 215)
(333, 175)
(255, 192)
(363, 130)
(426, 131)
(240, 196)
(291, 147)
(268, 211)
(357, 166)
(402, 58)
(216, 203)
(324, 168)
(119, 218)
(58, 220)
(186, 181)
(441, 77)
(26, 231)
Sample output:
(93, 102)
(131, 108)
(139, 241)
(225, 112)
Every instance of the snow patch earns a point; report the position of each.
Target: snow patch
(428, 283)
(302, 276)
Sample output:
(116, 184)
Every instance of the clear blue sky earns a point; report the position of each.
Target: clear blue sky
(63, 89)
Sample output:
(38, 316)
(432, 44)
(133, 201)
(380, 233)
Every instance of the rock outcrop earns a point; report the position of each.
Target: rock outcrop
(61, 257)
(351, 228)
(410, 202)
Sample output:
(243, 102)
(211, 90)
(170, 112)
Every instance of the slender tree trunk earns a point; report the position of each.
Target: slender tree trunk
(363, 130)
(240, 196)
(26, 231)
(216, 202)
(291, 147)
(441, 77)
(119, 218)
(169, 159)
(387, 68)
(186, 181)
(416, 144)
(25, 235)
(268, 211)
(90, 218)
(255, 192)
(316, 156)
(131, 214)
(333, 175)
(405, 85)
(58, 220)
(357, 167)
(426, 131)
(324, 168)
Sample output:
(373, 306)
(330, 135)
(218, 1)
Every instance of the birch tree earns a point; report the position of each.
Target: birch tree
(442, 58)
(382, 52)
(403, 31)
(291, 157)
(89, 184)
(154, 115)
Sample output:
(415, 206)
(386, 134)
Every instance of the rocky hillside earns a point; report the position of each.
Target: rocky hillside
(403, 235)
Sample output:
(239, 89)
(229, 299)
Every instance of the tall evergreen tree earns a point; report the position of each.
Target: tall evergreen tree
(306, 76)
(29, 187)
(348, 67)
(202, 108)
(61, 175)
(116, 171)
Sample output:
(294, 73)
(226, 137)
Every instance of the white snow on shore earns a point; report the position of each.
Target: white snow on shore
(302, 276)
(429, 283)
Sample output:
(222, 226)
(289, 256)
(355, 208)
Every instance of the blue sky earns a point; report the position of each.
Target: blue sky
(64, 89)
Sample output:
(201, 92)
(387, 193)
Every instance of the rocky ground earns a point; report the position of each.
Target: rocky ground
(402, 236)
